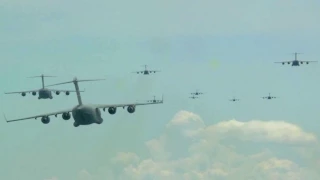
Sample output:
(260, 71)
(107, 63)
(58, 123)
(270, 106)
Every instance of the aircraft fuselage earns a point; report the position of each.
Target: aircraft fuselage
(86, 115)
(295, 63)
(45, 94)
(146, 72)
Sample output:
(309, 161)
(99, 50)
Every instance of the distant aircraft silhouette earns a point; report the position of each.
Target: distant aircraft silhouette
(154, 100)
(43, 93)
(269, 97)
(234, 99)
(295, 62)
(146, 71)
(193, 97)
(197, 93)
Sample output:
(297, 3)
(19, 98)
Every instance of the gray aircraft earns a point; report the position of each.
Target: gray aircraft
(84, 114)
(197, 93)
(194, 97)
(154, 100)
(295, 62)
(234, 99)
(43, 93)
(146, 71)
(269, 97)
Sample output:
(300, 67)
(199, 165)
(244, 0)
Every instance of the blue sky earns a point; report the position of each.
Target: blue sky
(225, 49)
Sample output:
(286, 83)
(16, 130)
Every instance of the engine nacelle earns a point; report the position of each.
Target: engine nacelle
(301, 62)
(112, 110)
(23, 94)
(34, 93)
(288, 62)
(45, 119)
(131, 109)
(283, 63)
(307, 62)
(66, 116)
(57, 92)
(67, 93)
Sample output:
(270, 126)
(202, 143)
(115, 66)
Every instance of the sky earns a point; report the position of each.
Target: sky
(224, 49)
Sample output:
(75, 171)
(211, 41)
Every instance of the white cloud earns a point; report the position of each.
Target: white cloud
(203, 155)
(84, 175)
(272, 131)
(53, 178)
(275, 163)
(126, 158)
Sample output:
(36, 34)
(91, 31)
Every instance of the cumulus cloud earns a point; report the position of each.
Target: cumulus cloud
(191, 124)
(126, 158)
(84, 175)
(53, 178)
(190, 149)
(272, 131)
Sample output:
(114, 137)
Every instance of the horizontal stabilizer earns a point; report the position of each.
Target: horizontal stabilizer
(41, 76)
(76, 80)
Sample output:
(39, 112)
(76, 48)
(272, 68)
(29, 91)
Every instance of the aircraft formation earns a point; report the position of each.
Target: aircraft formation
(83, 114)
(294, 62)
(86, 114)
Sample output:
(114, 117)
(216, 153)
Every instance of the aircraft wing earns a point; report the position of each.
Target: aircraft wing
(22, 92)
(284, 62)
(153, 71)
(138, 72)
(39, 116)
(126, 105)
(55, 90)
(308, 61)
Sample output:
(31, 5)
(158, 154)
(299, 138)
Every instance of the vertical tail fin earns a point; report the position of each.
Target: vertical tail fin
(75, 82)
(145, 67)
(42, 78)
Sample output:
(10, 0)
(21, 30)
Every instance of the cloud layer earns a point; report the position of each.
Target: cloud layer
(190, 149)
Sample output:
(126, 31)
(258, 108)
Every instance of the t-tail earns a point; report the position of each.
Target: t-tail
(75, 82)
(145, 67)
(42, 78)
(296, 55)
